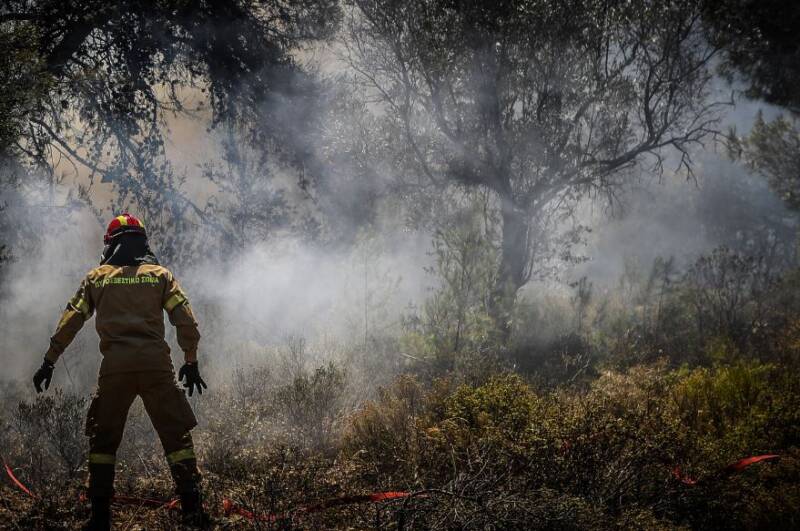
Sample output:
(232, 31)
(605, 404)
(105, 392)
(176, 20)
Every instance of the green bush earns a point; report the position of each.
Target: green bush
(743, 408)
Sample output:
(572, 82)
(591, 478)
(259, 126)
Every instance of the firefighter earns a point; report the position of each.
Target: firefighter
(129, 292)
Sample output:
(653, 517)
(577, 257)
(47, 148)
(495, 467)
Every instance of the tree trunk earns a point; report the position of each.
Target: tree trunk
(512, 270)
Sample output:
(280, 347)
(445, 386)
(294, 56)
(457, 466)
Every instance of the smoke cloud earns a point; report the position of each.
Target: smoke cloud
(286, 286)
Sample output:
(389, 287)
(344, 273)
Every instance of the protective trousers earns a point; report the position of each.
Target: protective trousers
(169, 411)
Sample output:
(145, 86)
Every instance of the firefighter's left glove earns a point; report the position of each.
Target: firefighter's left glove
(44, 374)
(191, 372)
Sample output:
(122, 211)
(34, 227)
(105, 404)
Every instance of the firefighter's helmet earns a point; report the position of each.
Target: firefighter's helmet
(122, 224)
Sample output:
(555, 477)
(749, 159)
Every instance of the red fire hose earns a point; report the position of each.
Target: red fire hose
(230, 507)
(737, 466)
(17, 482)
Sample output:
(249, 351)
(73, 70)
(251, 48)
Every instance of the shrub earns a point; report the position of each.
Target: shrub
(738, 409)
(311, 404)
(49, 439)
(385, 432)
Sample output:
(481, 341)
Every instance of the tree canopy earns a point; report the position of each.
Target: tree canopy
(760, 38)
(541, 103)
(91, 84)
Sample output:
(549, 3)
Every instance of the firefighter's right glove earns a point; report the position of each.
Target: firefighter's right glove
(192, 375)
(44, 374)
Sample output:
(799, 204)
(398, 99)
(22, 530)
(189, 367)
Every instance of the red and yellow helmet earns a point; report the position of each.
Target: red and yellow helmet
(124, 223)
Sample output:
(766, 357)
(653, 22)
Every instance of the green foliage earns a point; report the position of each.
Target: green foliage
(537, 104)
(23, 82)
(604, 458)
(500, 454)
(760, 42)
(772, 149)
(384, 431)
(745, 406)
(87, 90)
(454, 330)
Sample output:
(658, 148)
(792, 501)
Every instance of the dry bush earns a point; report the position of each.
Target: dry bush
(501, 455)
(311, 404)
(48, 440)
(383, 431)
(256, 412)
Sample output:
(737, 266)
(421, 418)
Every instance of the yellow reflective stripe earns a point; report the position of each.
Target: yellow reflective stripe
(122, 220)
(102, 459)
(80, 304)
(175, 300)
(64, 318)
(180, 455)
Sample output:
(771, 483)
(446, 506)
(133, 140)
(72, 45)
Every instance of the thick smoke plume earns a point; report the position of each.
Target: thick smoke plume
(288, 287)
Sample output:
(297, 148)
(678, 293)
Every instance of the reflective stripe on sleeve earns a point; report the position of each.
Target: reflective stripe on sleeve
(175, 300)
(180, 455)
(102, 459)
(80, 304)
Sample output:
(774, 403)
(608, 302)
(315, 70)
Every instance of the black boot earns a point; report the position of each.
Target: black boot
(192, 510)
(101, 514)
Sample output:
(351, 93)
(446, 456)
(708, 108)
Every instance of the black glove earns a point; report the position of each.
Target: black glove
(192, 375)
(44, 374)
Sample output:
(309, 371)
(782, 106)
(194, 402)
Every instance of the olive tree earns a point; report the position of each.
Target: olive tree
(103, 77)
(542, 103)
(761, 46)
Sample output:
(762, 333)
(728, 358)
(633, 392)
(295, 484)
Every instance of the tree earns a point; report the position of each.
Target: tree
(248, 207)
(107, 74)
(762, 49)
(760, 40)
(542, 103)
(772, 149)
(21, 84)
(119, 65)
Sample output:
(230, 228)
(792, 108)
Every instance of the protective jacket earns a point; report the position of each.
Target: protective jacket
(130, 321)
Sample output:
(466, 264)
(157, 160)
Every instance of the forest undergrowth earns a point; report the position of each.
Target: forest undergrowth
(626, 411)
